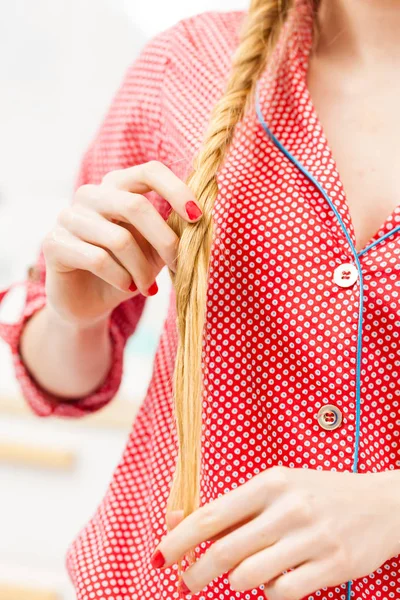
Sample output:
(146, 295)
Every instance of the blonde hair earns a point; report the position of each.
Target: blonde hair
(258, 37)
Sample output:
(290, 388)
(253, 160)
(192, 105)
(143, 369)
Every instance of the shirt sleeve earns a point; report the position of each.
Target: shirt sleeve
(129, 134)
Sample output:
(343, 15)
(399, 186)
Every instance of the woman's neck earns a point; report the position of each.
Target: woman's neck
(360, 32)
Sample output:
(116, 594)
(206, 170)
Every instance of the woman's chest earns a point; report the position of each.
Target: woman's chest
(363, 130)
(293, 328)
(271, 219)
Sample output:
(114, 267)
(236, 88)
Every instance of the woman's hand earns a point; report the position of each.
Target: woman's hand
(323, 527)
(111, 243)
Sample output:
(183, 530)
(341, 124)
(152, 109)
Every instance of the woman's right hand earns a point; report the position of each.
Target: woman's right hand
(111, 242)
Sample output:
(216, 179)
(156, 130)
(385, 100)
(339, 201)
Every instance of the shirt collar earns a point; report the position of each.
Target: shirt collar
(289, 113)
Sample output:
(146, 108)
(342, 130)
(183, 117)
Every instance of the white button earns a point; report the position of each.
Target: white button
(345, 275)
(329, 417)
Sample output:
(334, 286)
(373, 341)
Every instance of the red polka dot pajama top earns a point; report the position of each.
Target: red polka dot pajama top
(302, 355)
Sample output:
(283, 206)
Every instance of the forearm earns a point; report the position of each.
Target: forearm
(67, 360)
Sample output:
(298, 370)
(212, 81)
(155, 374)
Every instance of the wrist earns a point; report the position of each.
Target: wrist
(85, 349)
(74, 326)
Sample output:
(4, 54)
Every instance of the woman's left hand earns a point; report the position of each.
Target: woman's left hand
(323, 527)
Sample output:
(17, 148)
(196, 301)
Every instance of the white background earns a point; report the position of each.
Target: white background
(60, 63)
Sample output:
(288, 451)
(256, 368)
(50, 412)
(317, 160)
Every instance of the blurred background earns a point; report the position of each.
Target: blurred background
(60, 64)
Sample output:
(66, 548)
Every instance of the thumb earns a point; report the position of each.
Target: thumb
(173, 518)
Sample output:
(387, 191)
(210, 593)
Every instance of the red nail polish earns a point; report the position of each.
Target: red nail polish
(157, 559)
(133, 287)
(193, 211)
(183, 588)
(153, 289)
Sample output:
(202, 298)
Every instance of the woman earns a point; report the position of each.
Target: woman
(282, 447)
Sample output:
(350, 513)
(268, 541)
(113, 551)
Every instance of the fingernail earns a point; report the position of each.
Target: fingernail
(182, 587)
(157, 559)
(133, 287)
(153, 289)
(193, 211)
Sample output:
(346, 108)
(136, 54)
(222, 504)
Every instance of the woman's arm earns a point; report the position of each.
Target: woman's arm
(93, 265)
(73, 360)
(57, 365)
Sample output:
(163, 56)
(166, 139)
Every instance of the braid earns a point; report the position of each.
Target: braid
(258, 36)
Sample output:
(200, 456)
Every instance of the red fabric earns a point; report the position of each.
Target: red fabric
(281, 335)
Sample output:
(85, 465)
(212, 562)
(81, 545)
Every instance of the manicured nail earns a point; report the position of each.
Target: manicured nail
(157, 559)
(153, 289)
(133, 287)
(193, 211)
(183, 588)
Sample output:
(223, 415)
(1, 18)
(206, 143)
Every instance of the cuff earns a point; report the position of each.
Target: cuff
(45, 404)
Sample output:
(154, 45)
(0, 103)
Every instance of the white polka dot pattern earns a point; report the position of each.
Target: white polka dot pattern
(281, 335)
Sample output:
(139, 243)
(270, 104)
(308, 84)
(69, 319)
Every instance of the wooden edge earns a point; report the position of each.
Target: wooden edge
(37, 457)
(119, 414)
(14, 592)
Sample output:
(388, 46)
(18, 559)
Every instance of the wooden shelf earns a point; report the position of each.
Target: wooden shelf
(13, 592)
(33, 456)
(119, 414)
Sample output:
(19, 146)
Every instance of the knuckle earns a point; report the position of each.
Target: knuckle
(170, 248)
(122, 241)
(265, 532)
(235, 580)
(152, 167)
(64, 215)
(99, 260)
(285, 590)
(149, 171)
(222, 554)
(242, 576)
(343, 561)
(86, 191)
(208, 520)
(48, 244)
(301, 507)
(135, 204)
(279, 478)
(326, 536)
(110, 177)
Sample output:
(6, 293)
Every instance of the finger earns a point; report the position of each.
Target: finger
(67, 252)
(243, 502)
(270, 562)
(156, 176)
(244, 542)
(173, 518)
(90, 227)
(220, 535)
(302, 581)
(139, 212)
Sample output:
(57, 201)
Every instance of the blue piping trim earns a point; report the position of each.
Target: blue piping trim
(378, 241)
(356, 259)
